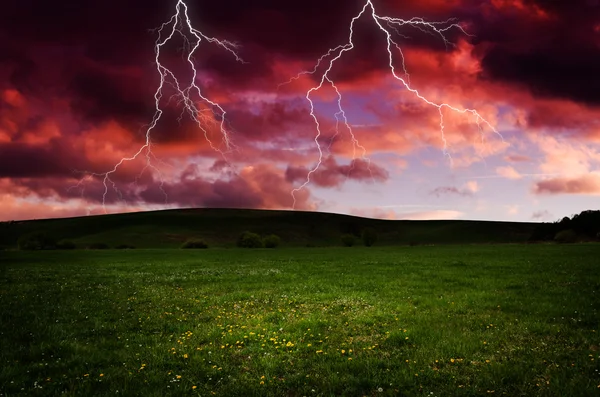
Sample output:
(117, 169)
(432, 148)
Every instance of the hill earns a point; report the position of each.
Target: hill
(221, 227)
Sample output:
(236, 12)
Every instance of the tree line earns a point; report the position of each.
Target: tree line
(584, 226)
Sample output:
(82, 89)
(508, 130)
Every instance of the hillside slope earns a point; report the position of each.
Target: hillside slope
(221, 227)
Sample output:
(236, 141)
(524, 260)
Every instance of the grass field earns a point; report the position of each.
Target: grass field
(427, 320)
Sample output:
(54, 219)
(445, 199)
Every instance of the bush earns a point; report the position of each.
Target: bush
(36, 241)
(195, 243)
(271, 241)
(348, 240)
(65, 245)
(125, 247)
(566, 236)
(97, 246)
(369, 236)
(249, 240)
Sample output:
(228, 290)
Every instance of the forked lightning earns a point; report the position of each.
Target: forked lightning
(388, 27)
(178, 24)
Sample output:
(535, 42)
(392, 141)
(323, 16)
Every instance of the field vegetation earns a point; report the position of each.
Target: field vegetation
(465, 320)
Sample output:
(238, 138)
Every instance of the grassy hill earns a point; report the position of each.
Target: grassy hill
(221, 227)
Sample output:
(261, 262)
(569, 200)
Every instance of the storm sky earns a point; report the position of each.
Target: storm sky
(77, 95)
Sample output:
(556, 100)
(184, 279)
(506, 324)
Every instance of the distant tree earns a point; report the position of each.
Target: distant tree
(195, 243)
(587, 223)
(125, 247)
(36, 241)
(564, 222)
(249, 240)
(271, 241)
(348, 240)
(369, 236)
(545, 231)
(566, 236)
(586, 226)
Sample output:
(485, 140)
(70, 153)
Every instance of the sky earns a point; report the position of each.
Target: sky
(79, 81)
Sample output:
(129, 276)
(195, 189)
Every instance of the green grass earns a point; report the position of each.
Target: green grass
(428, 320)
(221, 228)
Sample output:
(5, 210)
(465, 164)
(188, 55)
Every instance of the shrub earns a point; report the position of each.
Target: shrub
(36, 241)
(566, 236)
(249, 240)
(348, 240)
(125, 247)
(195, 243)
(97, 246)
(369, 236)
(271, 241)
(65, 245)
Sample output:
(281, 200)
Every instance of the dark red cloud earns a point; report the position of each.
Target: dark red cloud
(269, 121)
(101, 93)
(261, 186)
(100, 54)
(116, 34)
(330, 173)
(219, 166)
(586, 184)
(548, 47)
(519, 36)
(53, 159)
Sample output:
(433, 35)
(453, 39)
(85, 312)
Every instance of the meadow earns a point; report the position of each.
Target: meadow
(455, 320)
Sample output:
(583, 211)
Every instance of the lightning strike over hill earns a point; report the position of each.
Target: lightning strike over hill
(180, 24)
(387, 25)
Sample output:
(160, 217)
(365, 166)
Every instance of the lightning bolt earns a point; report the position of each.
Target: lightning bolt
(387, 25)
(180, 24)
